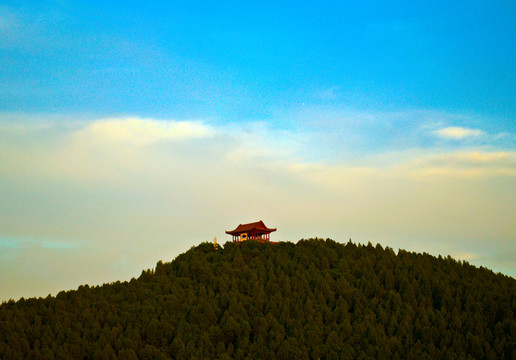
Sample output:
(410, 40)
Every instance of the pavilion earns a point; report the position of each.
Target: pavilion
(253, 231)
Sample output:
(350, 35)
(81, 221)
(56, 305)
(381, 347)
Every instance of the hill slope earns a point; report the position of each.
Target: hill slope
(316, 299)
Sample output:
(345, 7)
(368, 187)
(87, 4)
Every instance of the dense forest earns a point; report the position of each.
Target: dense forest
(317, 299)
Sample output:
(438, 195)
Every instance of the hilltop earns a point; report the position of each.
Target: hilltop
(310, 300)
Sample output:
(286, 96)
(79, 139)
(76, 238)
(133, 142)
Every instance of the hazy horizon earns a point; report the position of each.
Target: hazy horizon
(130, 132)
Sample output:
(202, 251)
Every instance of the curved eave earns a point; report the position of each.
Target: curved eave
(260, 231)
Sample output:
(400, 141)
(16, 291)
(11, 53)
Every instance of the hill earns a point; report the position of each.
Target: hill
(310, 300)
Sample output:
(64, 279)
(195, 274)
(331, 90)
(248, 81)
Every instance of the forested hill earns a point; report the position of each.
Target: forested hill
(315, 299)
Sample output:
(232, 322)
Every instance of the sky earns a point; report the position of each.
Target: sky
(131, 131)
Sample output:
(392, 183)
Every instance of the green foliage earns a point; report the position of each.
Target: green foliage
(316, 299)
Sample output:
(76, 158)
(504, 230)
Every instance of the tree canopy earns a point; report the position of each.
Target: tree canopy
(317, 299)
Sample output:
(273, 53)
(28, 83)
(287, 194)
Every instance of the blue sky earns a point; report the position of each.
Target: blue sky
(130, 131)
(241, 60)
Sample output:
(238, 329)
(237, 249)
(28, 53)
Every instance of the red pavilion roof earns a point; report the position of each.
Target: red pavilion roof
(258, 227)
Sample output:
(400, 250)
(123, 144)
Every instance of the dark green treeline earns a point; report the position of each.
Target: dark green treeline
(315, 300)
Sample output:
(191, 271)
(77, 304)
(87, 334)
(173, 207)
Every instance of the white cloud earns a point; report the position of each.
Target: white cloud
(137, 131)
(145, 189)
(105, 151)
(413, 165)
(462, 164)
(458, 133)
(258, 143)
